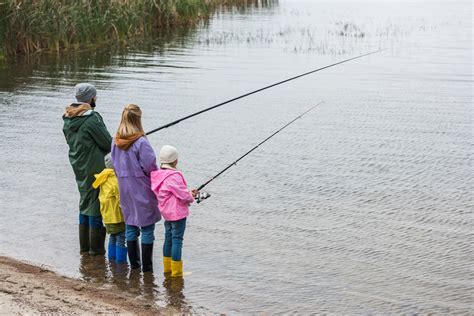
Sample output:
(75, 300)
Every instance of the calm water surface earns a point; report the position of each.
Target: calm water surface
(363, 206)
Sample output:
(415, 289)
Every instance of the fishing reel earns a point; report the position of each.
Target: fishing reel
(202, 196)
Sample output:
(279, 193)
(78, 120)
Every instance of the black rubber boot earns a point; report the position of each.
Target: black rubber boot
(96, 241)
(102, 241)
(133, 254)
(147, 253)
(84, 237)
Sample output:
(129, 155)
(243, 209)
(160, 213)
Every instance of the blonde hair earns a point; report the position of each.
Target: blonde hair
(131, 122)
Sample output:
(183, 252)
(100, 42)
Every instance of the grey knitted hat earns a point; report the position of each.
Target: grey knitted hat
(85, 92)
(108, 161)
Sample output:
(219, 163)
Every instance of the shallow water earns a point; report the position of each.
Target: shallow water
(363, 206)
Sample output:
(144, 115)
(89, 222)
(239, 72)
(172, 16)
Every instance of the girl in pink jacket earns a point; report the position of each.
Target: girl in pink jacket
(174, 198)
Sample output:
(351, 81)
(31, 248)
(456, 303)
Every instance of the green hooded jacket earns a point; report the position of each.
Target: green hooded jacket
(89, 141)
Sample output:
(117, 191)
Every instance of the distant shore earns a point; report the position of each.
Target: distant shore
(29, 289)
(28, 27)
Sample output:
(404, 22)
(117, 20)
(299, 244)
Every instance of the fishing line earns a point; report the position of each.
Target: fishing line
(205, 195)
(258, 90)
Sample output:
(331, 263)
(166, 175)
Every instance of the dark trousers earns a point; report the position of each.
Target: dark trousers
(92, 221)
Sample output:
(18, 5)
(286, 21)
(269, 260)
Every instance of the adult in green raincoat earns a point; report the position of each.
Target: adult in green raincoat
(89, 141)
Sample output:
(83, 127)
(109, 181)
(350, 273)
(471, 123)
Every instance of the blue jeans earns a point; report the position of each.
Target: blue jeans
(173, 245)
(148, 233)
(92, 221)
(117, 239)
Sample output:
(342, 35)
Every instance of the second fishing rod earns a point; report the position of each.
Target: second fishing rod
(259, 90)
(204, 195)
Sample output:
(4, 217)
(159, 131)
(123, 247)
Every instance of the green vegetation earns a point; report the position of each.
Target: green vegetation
(31, 26)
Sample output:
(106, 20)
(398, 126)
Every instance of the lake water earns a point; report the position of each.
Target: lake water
(363, 206)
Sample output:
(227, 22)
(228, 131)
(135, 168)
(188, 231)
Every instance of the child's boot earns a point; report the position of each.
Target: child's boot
(120, 254)
(111, 250)
(96, 241)
(84, 237)
(166, 264)
(133, 254)
(177, 268)
(147, 253)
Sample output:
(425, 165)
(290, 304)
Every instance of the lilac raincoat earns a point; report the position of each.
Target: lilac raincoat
(133, 168)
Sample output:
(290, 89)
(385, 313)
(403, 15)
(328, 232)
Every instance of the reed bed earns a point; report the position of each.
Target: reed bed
(29, 26)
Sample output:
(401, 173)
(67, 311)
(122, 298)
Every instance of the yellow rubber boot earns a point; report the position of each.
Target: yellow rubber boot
(176, 268)
(167, 264)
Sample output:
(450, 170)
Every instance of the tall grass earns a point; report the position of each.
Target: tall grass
(29, 26)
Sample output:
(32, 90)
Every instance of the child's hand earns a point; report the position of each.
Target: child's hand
(194, 192)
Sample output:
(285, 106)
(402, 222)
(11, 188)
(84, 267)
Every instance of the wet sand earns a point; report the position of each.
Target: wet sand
(29, 289)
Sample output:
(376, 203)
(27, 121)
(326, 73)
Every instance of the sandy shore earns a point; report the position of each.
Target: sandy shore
(28, 289)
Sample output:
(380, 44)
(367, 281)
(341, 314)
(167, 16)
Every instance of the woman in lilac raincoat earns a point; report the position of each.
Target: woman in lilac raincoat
(134, 160)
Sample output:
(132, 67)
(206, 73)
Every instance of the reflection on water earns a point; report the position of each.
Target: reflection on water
(69, 67)
(93, 268)
(362, 207)
(174, 293)
(56, 69)
(144, 286)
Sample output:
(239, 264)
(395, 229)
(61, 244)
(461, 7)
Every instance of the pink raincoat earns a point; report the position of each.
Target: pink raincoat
(172, 194)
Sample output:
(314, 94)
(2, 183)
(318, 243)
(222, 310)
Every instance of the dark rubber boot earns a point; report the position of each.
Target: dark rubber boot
(96, 242)
(102, 241)
(84, 237)
(133, 254)
(147, 253)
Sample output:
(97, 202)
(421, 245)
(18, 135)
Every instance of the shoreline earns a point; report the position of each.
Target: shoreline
(30, 289)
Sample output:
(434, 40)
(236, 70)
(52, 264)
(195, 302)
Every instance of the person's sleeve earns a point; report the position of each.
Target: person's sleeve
(146, 157)
(177, 187)
(99, 133)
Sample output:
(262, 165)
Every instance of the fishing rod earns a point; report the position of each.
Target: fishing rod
(204, 195)
(258, 90)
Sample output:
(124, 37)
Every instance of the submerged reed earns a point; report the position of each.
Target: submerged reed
(34, 25)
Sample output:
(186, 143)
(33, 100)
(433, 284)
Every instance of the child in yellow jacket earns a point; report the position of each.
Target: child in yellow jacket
(111, 212)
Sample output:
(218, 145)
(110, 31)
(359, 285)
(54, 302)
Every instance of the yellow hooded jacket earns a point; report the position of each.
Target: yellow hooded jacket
(109, 196)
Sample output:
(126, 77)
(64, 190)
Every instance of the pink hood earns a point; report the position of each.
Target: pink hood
(172, 194)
